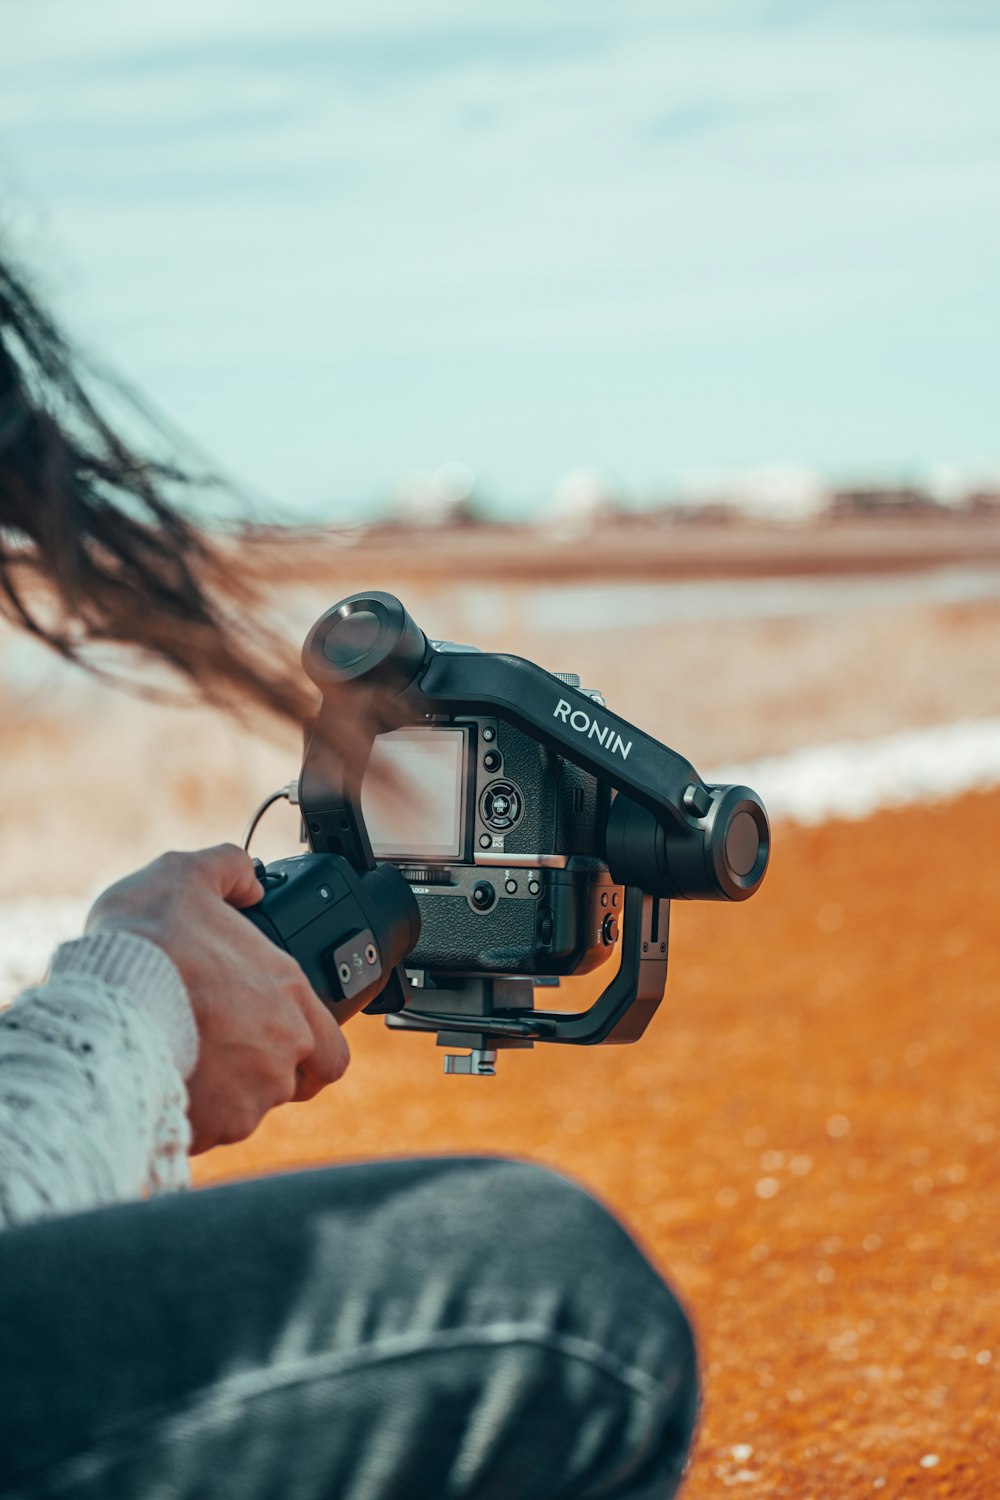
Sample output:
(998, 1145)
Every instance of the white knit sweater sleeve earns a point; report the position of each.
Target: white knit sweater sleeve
(92, 1069)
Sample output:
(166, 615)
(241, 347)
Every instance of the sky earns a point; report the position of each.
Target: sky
(342, 245)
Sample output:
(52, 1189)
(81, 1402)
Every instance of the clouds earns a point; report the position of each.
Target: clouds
(684, 234)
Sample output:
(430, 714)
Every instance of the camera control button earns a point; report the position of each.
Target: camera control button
(491, 760)
(604, 898)
(483, 895)
(534, 888)
(609, 930)
(510, 886)
(500, 805)
(489, 733)
(485, 841)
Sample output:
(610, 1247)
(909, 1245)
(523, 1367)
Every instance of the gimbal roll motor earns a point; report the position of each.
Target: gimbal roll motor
(531, 833)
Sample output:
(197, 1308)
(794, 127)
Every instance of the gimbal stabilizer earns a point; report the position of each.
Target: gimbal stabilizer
(667, 835)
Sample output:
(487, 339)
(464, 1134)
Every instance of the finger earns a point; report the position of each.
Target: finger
(307, 1084)
(230, 871)
(223, 1110)
(330, 1054)
(311, 1078)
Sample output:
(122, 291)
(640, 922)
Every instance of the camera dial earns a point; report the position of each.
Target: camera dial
(501, 805)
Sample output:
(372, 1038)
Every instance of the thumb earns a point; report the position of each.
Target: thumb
(230, 872)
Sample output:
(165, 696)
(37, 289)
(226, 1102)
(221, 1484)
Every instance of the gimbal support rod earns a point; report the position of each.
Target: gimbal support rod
(331, 801)
(626, 1007)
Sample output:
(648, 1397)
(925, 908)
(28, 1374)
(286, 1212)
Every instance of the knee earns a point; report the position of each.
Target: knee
(583, 1269)
(552, 1235)
(558, 1227)
(528, 1254)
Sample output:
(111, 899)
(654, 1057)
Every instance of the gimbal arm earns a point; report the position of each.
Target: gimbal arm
(567, 721)
(668, 833)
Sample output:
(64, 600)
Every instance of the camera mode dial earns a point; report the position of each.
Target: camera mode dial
(501, 805)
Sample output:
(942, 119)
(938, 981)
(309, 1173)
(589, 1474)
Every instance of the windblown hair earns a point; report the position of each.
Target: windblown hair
(95, 547)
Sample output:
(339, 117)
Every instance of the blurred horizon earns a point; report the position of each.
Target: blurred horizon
(662, 246)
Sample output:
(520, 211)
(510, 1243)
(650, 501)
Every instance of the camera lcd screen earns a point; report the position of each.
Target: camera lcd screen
(420, 814)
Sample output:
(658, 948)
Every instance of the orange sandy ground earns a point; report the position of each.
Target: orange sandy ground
(806, 1141)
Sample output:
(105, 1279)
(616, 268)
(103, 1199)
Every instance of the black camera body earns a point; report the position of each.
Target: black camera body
(529, 833)
(506, 854)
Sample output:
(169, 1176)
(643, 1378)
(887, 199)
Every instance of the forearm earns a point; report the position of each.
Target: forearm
(92, 1068)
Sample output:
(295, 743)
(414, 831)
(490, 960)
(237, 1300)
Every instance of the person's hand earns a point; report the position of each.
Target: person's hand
(264, 1036)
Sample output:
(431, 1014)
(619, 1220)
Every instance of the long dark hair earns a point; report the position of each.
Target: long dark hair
(96, 547)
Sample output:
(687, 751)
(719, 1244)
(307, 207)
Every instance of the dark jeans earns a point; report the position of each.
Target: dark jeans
(407, 1330)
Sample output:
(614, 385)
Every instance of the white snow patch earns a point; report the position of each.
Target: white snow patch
(855, 778)
(30, 929)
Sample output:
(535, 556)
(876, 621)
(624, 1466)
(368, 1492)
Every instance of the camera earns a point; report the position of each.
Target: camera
(509, 831)
(502, 843)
